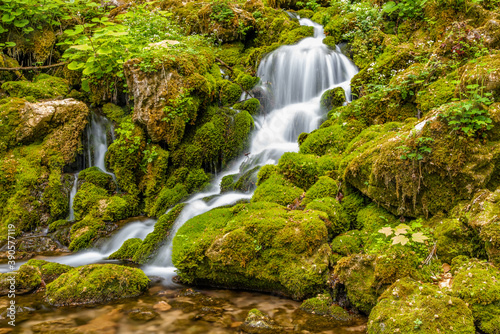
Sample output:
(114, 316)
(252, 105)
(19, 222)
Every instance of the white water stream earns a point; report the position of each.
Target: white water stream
(295, 77)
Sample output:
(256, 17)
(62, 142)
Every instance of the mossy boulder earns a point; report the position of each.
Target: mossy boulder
(22, 281)
(258, 246)
(348, 243)
(113, 112)
(324, 187)
(478, 284)
(40, 119)
(97, 177)
(127, 250)
(332, 98)
(49, 271)
(86, 232)
(251, 105)
(9, 119)
(377, 164)
(336, 219)
(96, 284)
(276, 189)
(411, 307)
(303, 170)
(43, 87)
(323, 305)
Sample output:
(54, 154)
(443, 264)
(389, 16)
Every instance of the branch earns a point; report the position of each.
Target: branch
(231, 69)
(30, 68)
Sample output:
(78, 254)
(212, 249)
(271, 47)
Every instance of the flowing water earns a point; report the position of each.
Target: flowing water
(292, 77)
(295, 76)
(97, 146)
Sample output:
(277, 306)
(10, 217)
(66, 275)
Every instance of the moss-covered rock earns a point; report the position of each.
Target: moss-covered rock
(276, 189)
(96, 284)
(113, 112)
(43, 86)
(25, 280)
(87, 198)
(478, 284)
(332, 98)
(252, 106)
(258, 246)
(324, 187)
(127, 250)
(303, 170)
(349, 243)
(97, 177)
(49, 271)
(86, 232)
(337, 221)
(411, 307)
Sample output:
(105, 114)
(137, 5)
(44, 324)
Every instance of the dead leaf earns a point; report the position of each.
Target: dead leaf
(386, 230)
(400, 239)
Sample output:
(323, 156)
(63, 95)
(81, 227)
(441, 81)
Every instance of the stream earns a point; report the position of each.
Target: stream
(295, 77)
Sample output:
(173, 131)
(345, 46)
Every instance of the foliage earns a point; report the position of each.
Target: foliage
(471, 116)
(310, 4)
(406, 9)
(221, 12)
(417, 152)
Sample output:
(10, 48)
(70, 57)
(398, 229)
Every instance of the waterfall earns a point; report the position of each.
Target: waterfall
(97, 146)
(295, 76)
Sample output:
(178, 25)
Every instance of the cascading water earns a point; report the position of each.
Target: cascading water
(97, 145)
(295, 76)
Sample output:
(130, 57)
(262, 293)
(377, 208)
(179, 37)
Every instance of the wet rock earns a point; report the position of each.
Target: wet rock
(260, 323)
(162, 306)
(142, 314)
(34, 244)
(40, 118)
(95, 284)
(49, 271)
(59, 326)
(332, 98)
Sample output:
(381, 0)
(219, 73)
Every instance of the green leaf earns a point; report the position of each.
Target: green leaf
(74, 65)
(21, 23)
(82, 47)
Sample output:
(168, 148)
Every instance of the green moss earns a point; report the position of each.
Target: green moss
(167, 198)
(9, 121)
(265, 172)
(332, 98)
(55, 197)
(196, 179)
(43, 87)
(336, 221)
(229, 93)
(127, 250)
(58, 224)
(49, 270)
(351, 205)
(96, 284)
(118, 208)
(227, 183)
(330, 140)
(301, 169)
(113, 112)
(324, 187)
(255, 246)
(437, 93)
(154, 240)
(87, 198)
(318, 305)
(97, 177)
(84, 233)
(251, 105)
(27, 278)
(349, 243)
(246, 81)
(410, 307)
(276, 189)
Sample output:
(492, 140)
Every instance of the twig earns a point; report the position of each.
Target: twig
(231, 69)
(31, 67)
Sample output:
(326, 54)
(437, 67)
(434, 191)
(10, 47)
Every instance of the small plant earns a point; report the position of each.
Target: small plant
(416, 153)
(221, 12)
(470, 116)
(406, 9)
(418, 323)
